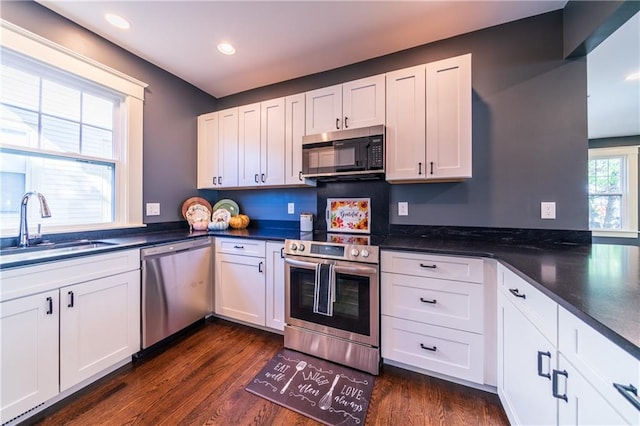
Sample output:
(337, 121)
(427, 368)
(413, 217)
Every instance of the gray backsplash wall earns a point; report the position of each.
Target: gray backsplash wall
(170, 107)
(529, 128)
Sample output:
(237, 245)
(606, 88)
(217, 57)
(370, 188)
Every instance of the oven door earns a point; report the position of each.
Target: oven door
(342, 302)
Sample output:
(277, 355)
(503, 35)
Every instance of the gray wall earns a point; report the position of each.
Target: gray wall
(529, 128)
(170, 108)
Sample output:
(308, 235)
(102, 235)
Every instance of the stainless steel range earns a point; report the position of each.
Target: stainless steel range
(332, 301)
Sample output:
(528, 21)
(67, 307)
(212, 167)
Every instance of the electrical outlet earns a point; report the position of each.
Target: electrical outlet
(291, 208)
(153, 209)
(548, 210)
(403, 208)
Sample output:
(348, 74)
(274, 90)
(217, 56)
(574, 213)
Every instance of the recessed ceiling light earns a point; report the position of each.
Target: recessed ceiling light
(633, 76)
(226, 48)
(117, 21)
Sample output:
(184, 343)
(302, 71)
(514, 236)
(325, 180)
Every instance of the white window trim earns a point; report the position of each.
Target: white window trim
(630, 187)
(128, 179)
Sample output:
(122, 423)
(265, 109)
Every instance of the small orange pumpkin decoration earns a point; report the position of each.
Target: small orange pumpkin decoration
(240, 221)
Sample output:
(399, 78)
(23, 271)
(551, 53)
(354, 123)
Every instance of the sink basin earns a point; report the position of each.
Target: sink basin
(14, 254)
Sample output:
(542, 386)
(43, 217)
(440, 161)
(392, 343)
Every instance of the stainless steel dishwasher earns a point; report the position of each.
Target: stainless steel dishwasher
(177, 287)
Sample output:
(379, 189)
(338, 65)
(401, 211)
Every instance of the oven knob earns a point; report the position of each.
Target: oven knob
(293, 246)
(365, 253)
(301, 247)
(355, 252)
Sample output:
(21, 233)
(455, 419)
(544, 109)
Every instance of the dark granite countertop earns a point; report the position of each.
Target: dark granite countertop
(598, 283)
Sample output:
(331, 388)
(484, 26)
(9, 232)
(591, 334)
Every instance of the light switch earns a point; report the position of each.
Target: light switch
(403, 208)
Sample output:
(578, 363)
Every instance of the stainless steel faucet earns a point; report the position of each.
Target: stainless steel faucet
(23, 233)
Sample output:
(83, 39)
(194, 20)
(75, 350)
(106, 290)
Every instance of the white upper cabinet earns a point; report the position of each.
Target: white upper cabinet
(207, 150)
(449, 118)
(406, 123)
(249, 145)
(272, 142)
(294, 131)
(218, 149)
(428, 125)
(358, 103)
(261, 144)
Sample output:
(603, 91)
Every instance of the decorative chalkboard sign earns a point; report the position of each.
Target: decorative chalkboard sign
(327, 392)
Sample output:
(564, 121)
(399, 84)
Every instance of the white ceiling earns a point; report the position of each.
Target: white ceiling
(281, 40)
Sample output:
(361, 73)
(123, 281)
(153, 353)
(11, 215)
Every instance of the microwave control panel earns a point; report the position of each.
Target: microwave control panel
(376, 158)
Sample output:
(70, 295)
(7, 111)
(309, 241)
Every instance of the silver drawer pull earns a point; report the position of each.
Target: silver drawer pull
(432, 348)
(432, 301)
(428, 266)
(517, 293)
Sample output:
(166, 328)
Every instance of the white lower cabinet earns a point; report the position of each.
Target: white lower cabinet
(443, 350)
(29, 355)
(555, 369)
(595, 375)
(584, 404)
(99, 325)
(249, 281)
(433, 313)
(526, 359)
(240, 280)
(64, 323)
(275, 286)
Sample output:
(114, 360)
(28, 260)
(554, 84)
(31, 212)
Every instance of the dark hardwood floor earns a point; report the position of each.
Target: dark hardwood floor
(200, 380)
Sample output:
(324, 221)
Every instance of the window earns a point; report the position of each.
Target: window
(613, 189)
(71, 129)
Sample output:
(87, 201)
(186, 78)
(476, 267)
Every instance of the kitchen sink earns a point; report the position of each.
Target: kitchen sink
(46, 249)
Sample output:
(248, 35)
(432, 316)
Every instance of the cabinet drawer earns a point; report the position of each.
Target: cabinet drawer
(242, 246)
(536, 306)
(453, 304)
(434, 266)
(457, 353)
(600, 361)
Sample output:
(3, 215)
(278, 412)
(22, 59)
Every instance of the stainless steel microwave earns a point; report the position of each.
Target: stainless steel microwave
(344, 154)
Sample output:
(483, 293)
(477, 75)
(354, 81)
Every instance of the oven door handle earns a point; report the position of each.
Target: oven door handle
(301, 263)
(356, 270)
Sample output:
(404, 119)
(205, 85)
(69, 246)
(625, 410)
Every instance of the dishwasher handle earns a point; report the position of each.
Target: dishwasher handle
(173, 248)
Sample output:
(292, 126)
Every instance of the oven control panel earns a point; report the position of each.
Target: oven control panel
(349, 252)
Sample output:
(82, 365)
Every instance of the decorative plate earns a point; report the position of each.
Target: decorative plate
(194, 200)
(229, 205)
(198, 213)
(348, 215)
